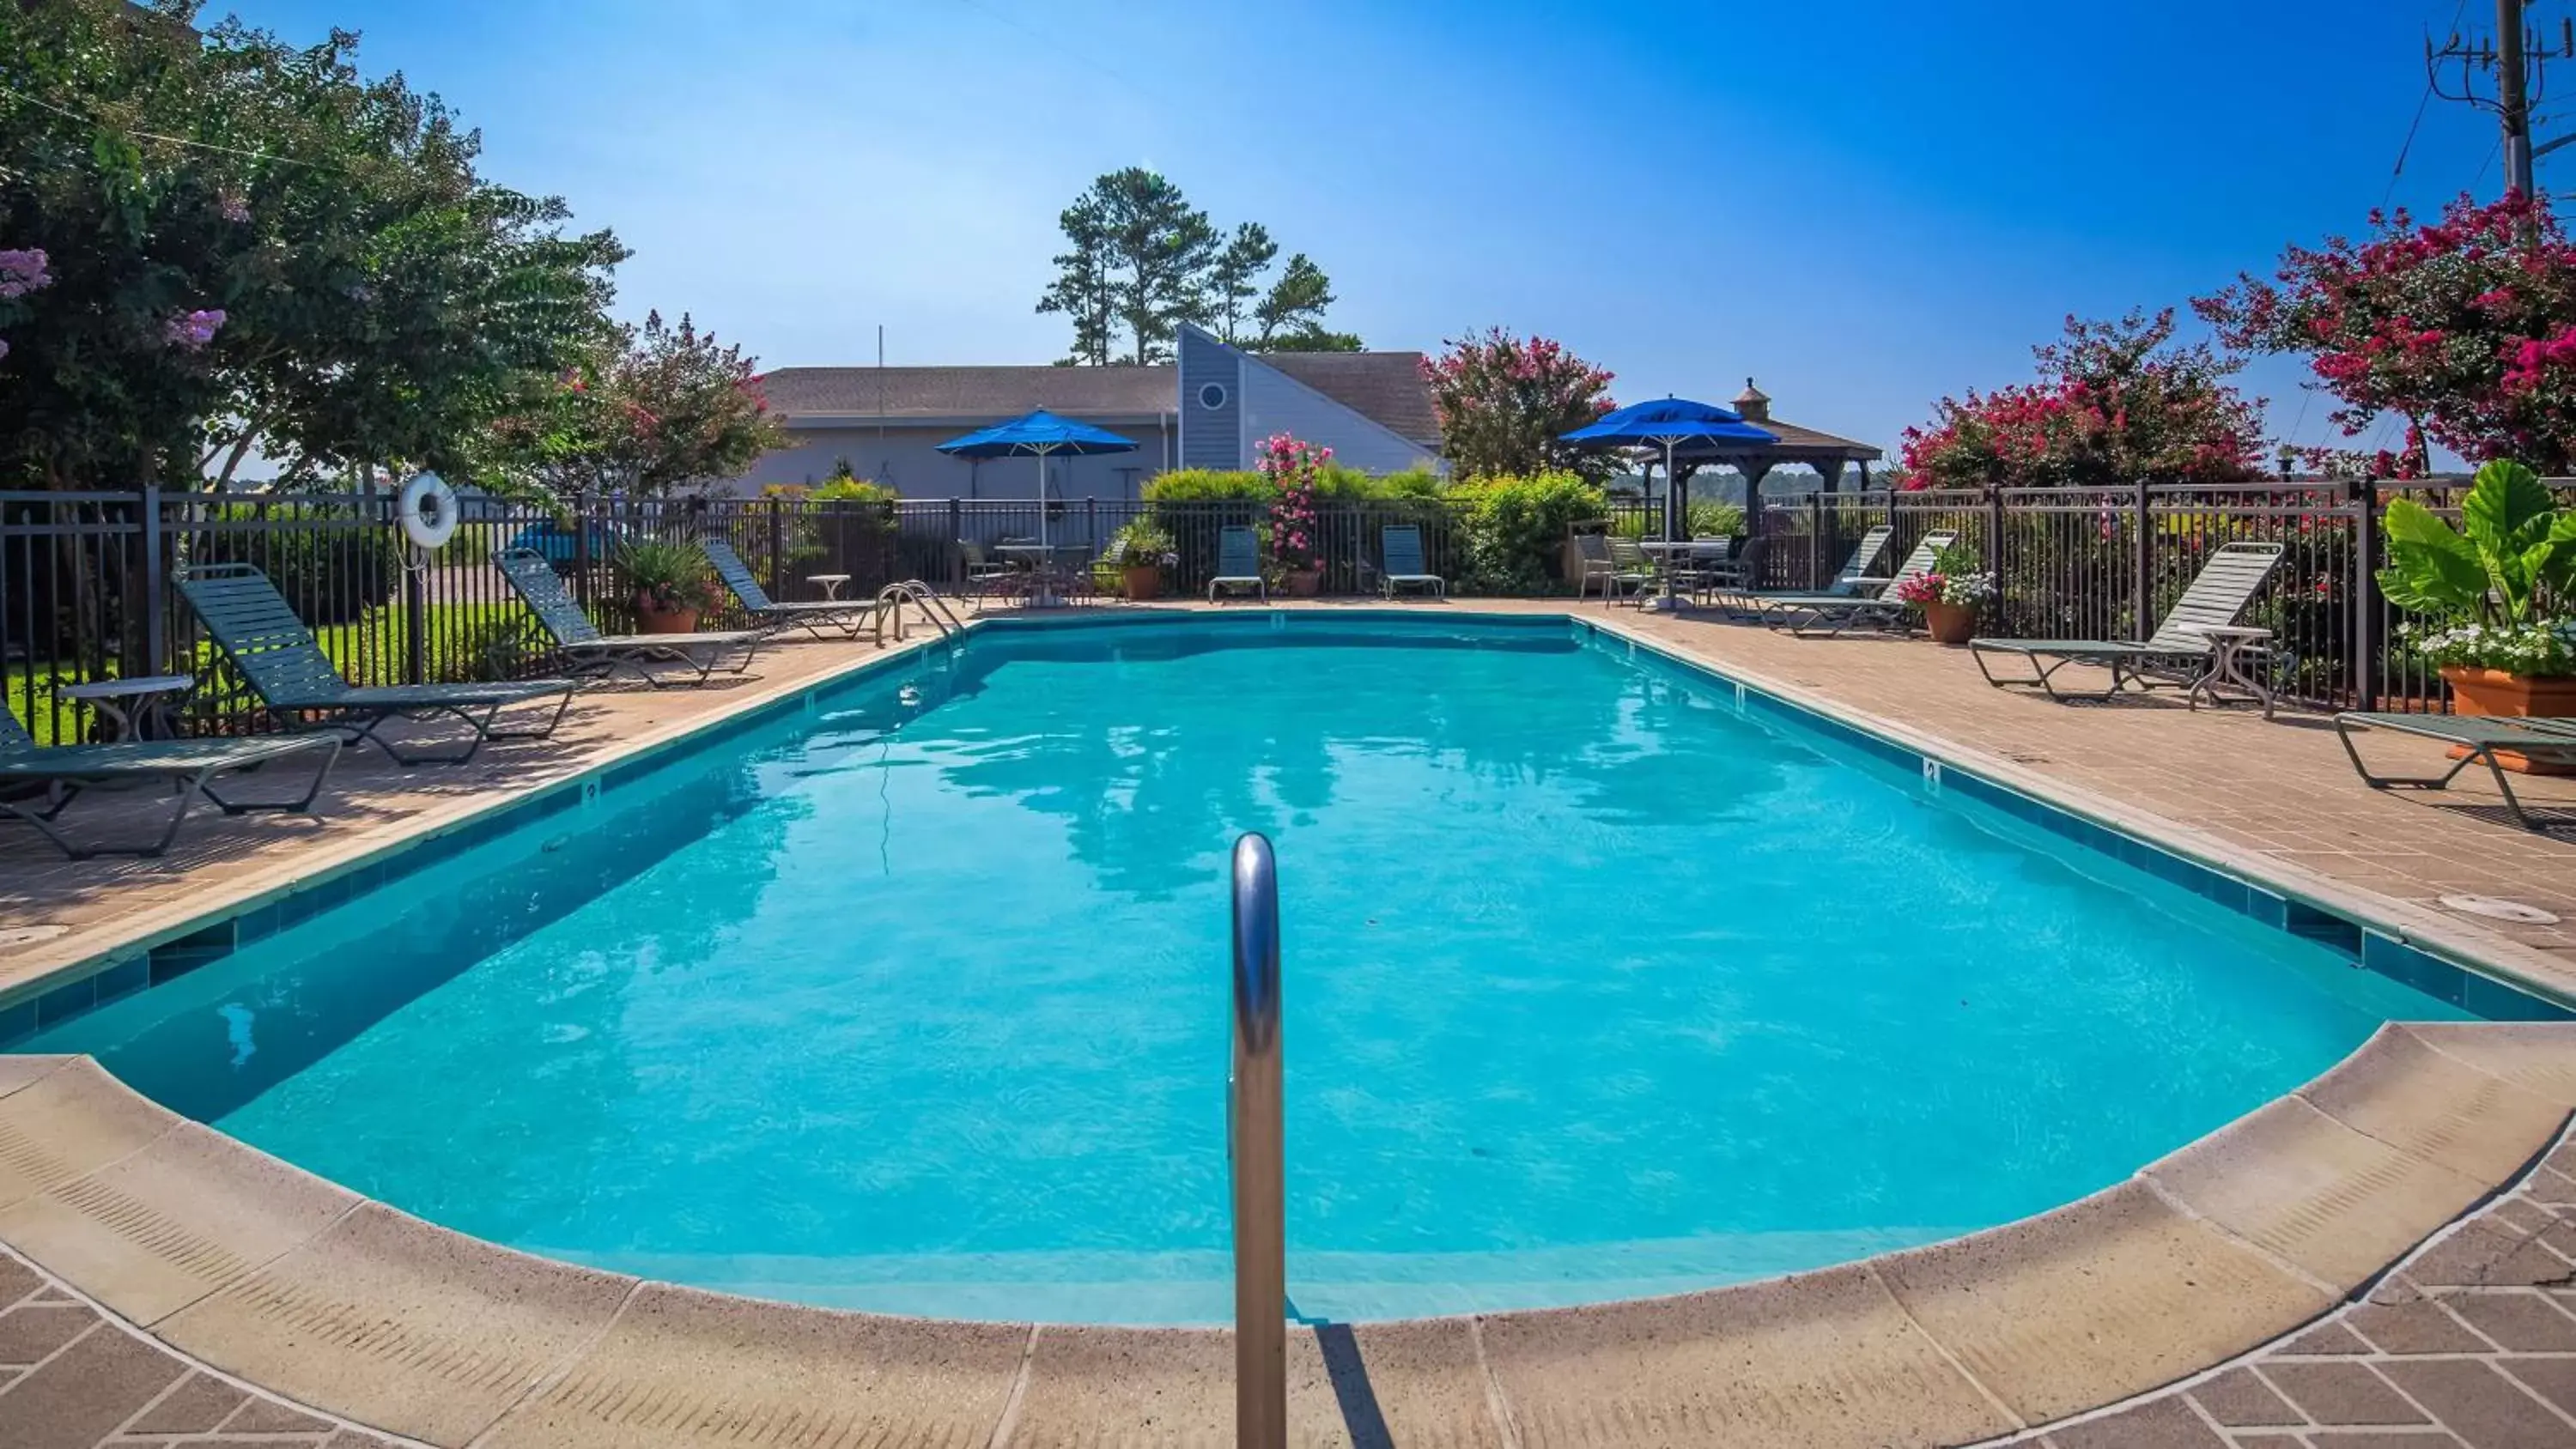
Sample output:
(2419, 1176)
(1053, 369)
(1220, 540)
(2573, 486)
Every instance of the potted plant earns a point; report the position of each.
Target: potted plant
(1140, 551)
(1949, 594)
(668, 582)
(2484, 589)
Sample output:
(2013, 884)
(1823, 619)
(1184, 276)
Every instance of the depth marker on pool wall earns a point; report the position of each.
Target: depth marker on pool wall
(1931, 774)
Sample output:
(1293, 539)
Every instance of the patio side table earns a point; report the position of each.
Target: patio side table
(139, 708)
(832, 584)
(2231, 648)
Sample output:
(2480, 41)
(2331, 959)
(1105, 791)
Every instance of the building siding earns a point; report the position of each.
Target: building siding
(1274, 402)
(909, 458)
(1210, 437)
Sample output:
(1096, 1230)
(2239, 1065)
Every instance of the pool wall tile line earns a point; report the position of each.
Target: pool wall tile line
(2381, 946)
(263, 1271)
(171, 951)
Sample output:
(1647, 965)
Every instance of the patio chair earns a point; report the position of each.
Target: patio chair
(987, 577)
(296, 682)
(187, 766)
(1238, 562)
(2227, 583)
(1709, 569)
(1855, 580)
(585, 650)
(2476, 739)
(1804, 614)
(813, 616)
(1631, 568)
(1401, 546)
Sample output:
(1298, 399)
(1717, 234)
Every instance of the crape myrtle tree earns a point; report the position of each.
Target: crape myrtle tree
(2114, 403)
(651, 411)
(1505, 401)
(223, 245)
(1139, 260)
(2463, 327)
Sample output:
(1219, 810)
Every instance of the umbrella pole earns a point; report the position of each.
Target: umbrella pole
(1669, 604)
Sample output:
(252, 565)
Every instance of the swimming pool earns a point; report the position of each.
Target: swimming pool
(1597, 984)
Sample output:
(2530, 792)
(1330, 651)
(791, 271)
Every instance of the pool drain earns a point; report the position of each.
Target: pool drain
(2501, 910)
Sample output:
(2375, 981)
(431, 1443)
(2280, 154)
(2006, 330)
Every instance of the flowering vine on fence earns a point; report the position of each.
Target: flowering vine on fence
(1293, 468)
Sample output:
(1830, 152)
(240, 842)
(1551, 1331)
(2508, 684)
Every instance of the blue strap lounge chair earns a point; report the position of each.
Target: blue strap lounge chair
(585, 650)
(814, 616)
(2172, 656)
(1238, 562)
(2478, 739)
(1805, 614)
(1858, 578)
(1400, 544)
(38, 782)
(281, 661)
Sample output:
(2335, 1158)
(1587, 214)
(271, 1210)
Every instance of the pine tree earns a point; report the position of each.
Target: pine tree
(1082, 287)
(1235, 281)
(1291, 313)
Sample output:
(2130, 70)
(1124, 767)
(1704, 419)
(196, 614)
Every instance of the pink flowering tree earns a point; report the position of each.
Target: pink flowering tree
(1504, 401)
(1295, 471)
(2454, 326)
(2114, 403)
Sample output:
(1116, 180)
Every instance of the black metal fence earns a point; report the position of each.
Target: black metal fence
(85, 577)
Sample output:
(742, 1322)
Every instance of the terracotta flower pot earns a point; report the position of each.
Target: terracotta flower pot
(1302, 583)
(649, 620)
(1145, 581)
(1950, 623)
(2496, 692)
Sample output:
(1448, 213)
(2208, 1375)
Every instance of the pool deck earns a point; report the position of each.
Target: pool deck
(2385, 1249)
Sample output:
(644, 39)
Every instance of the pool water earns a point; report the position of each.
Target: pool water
(916, 1001)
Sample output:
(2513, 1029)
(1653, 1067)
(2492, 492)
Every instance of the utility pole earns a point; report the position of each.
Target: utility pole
(2517, 59)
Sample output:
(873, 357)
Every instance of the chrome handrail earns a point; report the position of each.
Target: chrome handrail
(892, 598)
(1253, 1140)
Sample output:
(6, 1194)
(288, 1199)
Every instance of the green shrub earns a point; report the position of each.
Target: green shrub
(1209, 485)
(1712, 519)
(331, 567)
(1515, 528)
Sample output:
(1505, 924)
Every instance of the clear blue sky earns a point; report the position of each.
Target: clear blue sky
(1865, 204)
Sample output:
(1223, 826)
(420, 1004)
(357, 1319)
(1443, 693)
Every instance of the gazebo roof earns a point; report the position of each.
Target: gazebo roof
(1796, 445)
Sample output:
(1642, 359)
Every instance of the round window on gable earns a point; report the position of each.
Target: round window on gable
(1212, 396)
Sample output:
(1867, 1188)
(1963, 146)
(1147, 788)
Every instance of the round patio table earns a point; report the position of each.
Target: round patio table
(1039, 559)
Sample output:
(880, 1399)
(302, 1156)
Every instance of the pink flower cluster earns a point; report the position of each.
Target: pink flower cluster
(23, 271)
(192, 331)
(2532, 359)
(1294, 468)
(232, 207)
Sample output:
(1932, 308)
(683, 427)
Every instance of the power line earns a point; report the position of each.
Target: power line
(2423, 103)
(69, 114)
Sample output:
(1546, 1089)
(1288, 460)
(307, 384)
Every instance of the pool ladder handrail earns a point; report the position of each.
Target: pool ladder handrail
(1256, 1158)
(892, 598)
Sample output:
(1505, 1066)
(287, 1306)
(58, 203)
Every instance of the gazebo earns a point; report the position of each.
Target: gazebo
(1822, 451)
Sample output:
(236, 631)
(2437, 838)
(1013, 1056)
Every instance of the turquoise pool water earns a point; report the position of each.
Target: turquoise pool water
(916, 1001)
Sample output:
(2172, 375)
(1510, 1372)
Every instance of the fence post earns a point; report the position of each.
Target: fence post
(1993, 552)
(581, 525)
(2365, 593)
(956, 537)
(155, 611)
(415, 574)
(1816, 539)
(2141, 589)
(778, 547)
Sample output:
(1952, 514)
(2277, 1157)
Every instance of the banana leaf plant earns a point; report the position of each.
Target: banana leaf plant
(2498, 589)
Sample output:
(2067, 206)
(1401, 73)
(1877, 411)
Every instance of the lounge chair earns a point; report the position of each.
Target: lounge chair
(1238, 562)
(814, 616)
(585, 650)
(1855, 580)
(296, 682)
(188, 766)
(1401, 546)
(2478, 739)
(1802, 614)
(2172, 656)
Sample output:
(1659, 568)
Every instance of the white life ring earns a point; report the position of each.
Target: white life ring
(426, 509)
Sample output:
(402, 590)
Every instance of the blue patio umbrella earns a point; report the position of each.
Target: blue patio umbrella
(1669, 423)
(1038, 434)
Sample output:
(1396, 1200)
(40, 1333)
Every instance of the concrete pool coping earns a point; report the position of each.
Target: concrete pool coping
(261, 1270)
